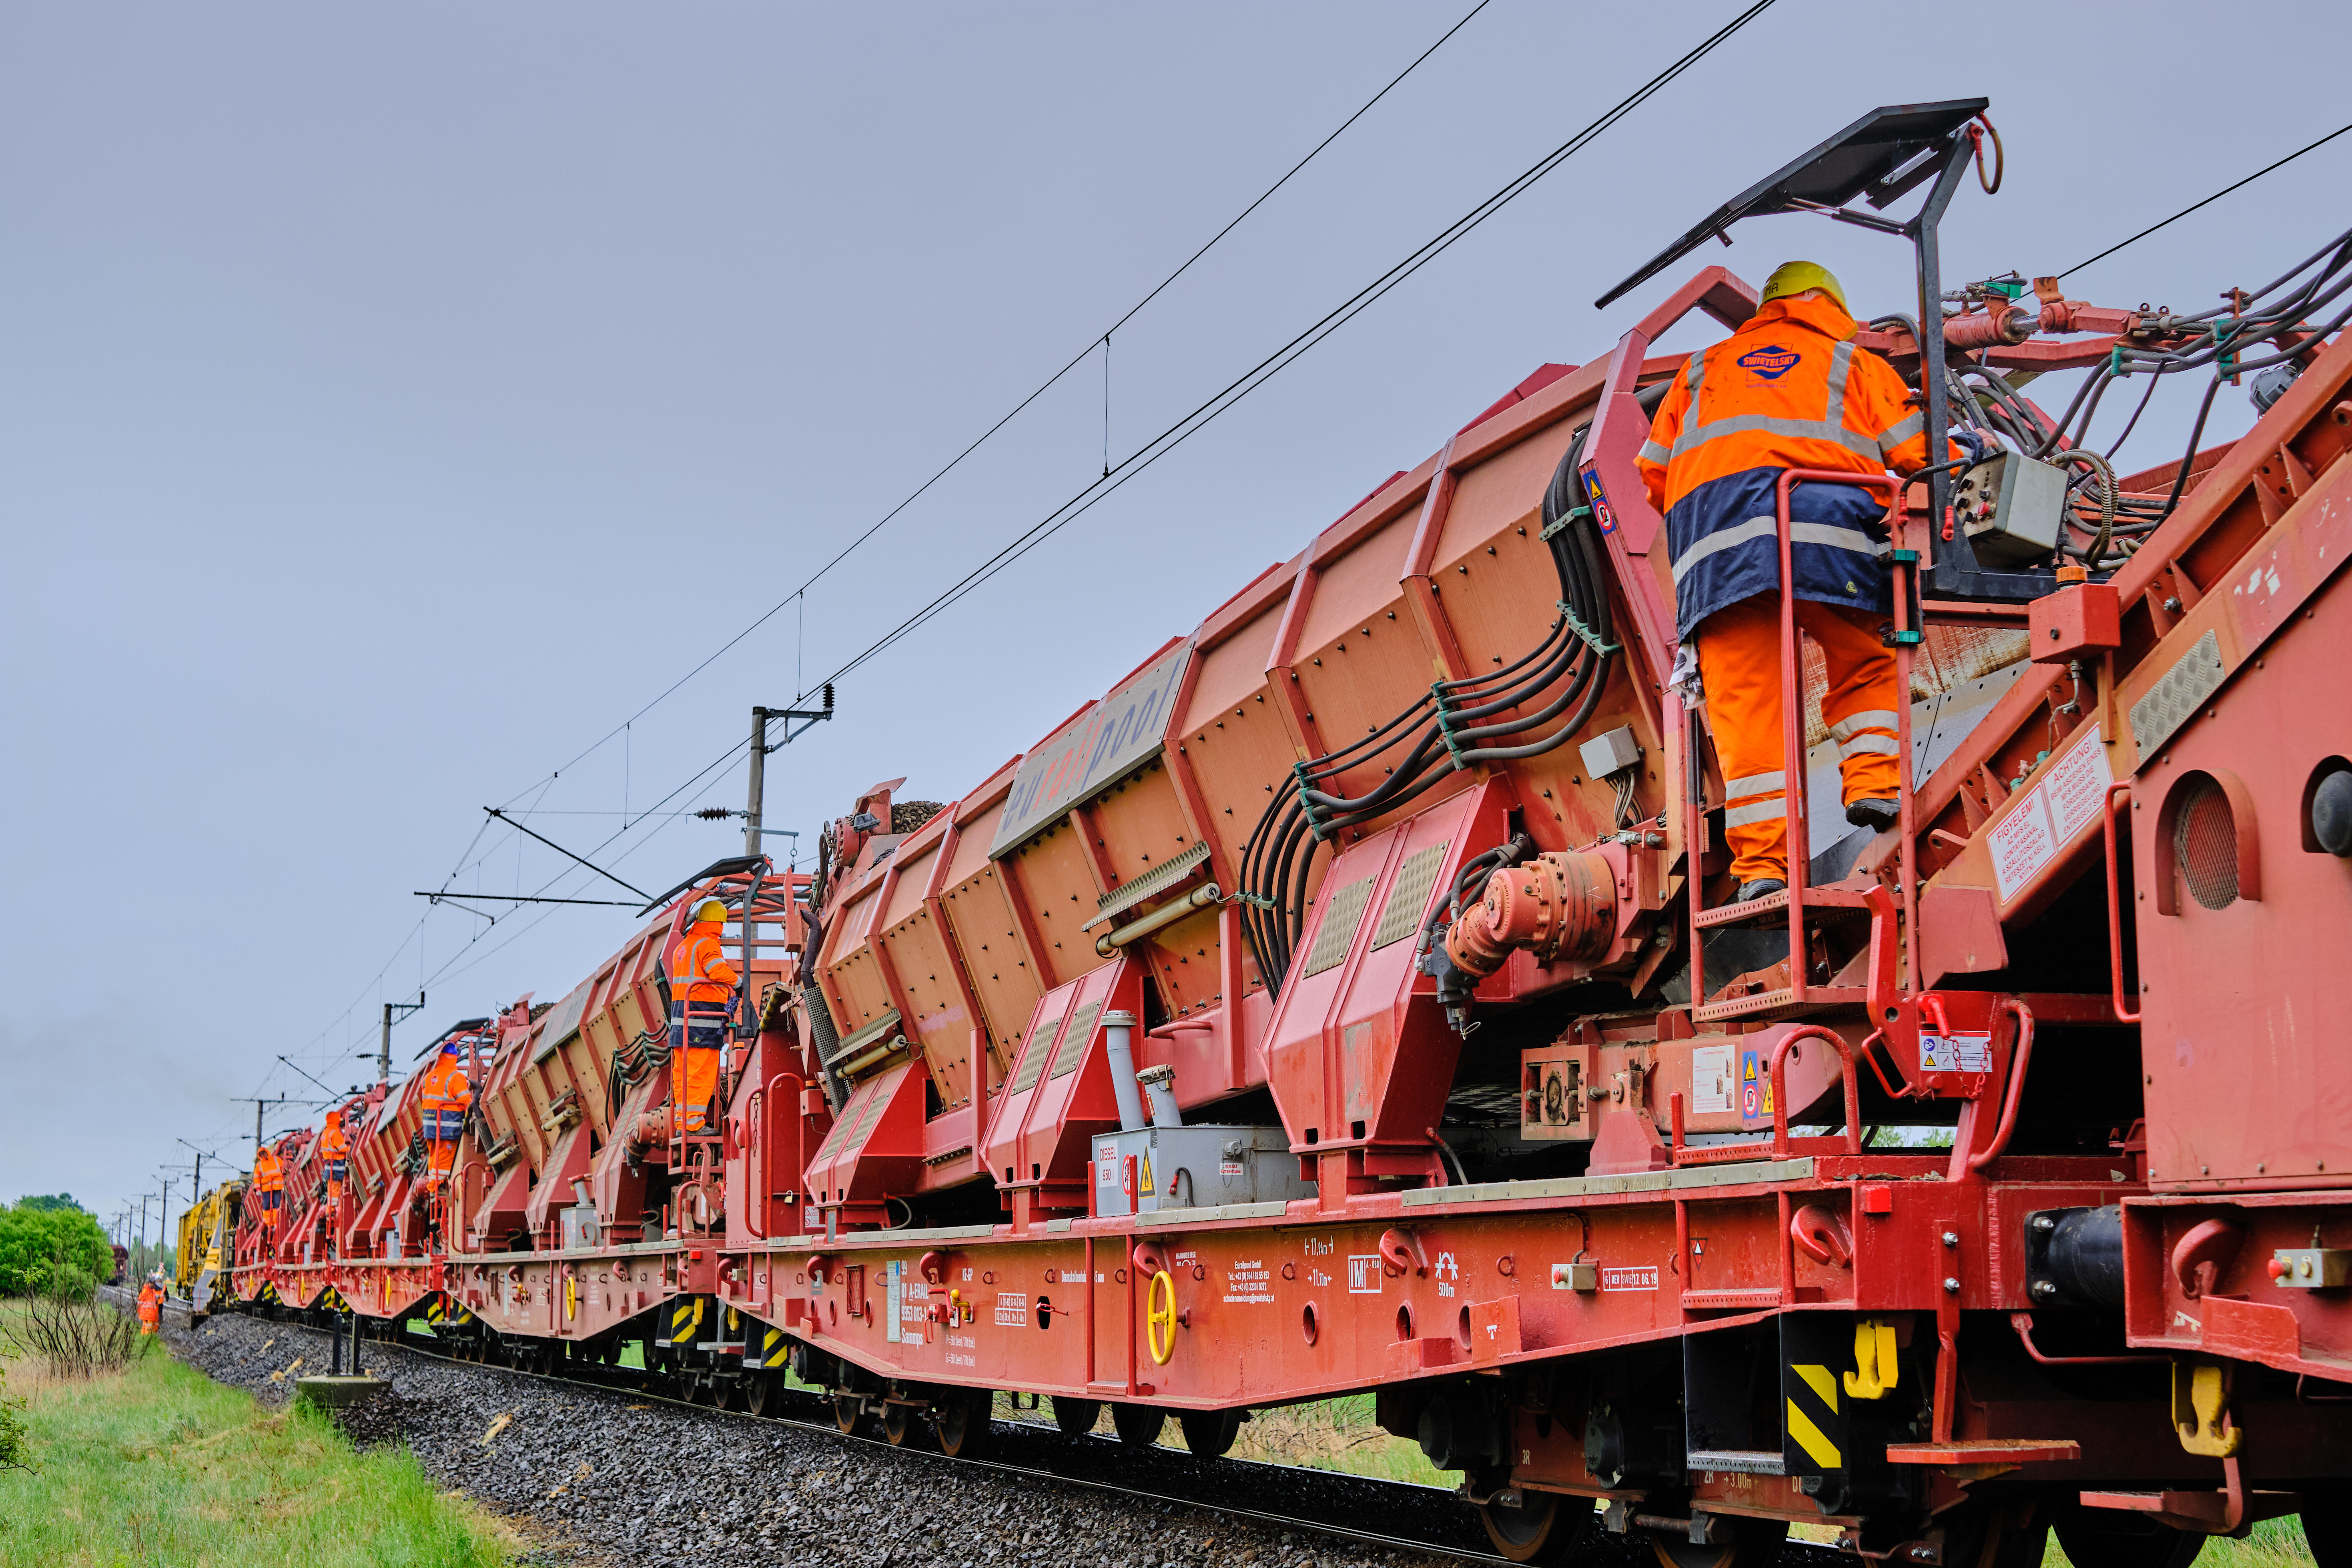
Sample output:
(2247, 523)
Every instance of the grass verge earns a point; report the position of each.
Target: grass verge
(160, 1465)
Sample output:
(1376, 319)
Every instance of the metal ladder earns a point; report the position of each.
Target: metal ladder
(1801, 901)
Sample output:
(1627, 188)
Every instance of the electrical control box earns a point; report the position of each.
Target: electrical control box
(1611, 752)
(2010, 509)
(1155, 1168)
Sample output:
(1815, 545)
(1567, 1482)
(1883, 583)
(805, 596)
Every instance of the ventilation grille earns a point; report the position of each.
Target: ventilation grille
(1033, 1061)
(1074, 1039)
(1343, 913)
(2174, 701)
(2205, 844)
(1135, 889)
(1408, 895)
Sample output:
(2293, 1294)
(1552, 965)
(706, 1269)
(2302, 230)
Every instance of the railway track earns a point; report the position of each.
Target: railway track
(814, 1412)
(1398, 1517)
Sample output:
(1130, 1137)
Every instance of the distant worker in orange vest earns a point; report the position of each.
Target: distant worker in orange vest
(270, 1187)
(701, 976)
(150, 1303)
(1789, 390)
(443, 1097)
(334, 1162)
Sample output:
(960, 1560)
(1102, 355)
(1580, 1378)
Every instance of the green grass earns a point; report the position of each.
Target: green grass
(2275, 1543)
(158, 1466)
(1324, 1434)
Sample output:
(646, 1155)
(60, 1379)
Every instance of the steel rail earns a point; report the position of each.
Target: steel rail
(831, 1429)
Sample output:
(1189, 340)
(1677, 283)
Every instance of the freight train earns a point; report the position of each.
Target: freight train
(1354, 999)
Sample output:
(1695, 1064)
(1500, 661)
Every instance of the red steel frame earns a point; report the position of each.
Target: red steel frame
(1387, 1280)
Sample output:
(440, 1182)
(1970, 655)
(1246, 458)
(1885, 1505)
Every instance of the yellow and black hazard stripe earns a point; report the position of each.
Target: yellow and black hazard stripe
(434, 1311)
(1816, 1414)
(774, 1349)
(684, 1318)
(1815, 1431)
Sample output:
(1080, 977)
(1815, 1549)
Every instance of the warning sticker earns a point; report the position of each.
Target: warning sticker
(2064, 804)
(1710, 1079)
(1955, 1053)
(1630, 1278)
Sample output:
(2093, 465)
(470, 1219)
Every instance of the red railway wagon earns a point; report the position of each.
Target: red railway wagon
(1352, 999)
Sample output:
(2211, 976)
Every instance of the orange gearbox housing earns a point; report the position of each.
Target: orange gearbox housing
(1561, 905)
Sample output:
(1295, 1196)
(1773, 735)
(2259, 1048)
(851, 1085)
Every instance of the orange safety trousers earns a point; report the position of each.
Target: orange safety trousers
(1740, 665)
(697, 1080)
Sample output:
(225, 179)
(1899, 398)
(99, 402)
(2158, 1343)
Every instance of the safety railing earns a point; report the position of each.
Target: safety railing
(1800, 895)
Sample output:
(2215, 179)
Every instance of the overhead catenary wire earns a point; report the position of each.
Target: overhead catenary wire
(1092, 343)
(2215, 197)
(1205, 413)
(798, 594)
(1241, 386)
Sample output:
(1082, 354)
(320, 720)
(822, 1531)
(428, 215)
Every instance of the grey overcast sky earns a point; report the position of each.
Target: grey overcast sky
(394, 399)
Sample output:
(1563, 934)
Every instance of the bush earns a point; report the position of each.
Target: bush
(38, 1242)
(16, 1452)
(69, 1327)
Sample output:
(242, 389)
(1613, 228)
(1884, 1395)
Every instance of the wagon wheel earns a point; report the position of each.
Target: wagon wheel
(2108, 1538)
(848, 1411)
(1076, 1417)
(760, 1390)
(903, 1425)
(1209, 1434)
(963, 1422)
(1754, 1543)
(2015, 1533)
(728, 1393)
(1543, 1529)
(1137, 1425)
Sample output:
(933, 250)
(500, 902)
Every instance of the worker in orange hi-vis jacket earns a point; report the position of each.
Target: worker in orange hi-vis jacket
(150, 1303)
(1789, 390)
(268, 1187)
(443, 1096)
(699, 974)
(334, 1158)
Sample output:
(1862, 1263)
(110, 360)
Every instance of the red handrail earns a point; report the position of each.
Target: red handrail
(2019, 1060)
(2115, 904)
(1778, 1071)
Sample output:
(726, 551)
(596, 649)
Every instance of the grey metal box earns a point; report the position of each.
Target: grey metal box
(2010, 509)
(578, 1227)
(1196, 1167)
(1609, 753)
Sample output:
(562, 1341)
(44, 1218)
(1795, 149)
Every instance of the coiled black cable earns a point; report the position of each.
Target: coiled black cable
(1455, 726)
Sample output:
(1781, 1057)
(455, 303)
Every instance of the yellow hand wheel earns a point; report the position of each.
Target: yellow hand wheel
(1160, 1318)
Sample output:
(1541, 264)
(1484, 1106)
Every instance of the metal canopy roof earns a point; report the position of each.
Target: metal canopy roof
(1879, 157)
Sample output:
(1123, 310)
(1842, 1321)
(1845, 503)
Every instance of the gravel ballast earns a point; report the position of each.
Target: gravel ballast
(609, 1475)
(592, 1476)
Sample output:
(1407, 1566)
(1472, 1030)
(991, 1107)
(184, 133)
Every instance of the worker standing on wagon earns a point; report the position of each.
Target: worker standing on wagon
(1789, 390)
(269, 1186)
(334, 1163)
(702, 985)
(443, 1096)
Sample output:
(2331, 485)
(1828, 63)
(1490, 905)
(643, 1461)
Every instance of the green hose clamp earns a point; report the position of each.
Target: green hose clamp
(1591, 638)
(1564, 518)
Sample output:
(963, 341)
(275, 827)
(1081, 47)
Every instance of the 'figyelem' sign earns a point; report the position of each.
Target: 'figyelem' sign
(1091, 752)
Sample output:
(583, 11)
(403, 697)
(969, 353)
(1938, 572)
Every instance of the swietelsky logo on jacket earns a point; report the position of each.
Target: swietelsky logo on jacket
(1771, 361)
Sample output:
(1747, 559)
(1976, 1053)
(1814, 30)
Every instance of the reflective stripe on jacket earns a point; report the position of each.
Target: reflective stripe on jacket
(446, 1086)
(1787, 389)
(698, 969)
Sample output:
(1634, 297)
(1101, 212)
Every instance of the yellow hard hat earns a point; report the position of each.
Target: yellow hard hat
(1796, 277)
(709, 910)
